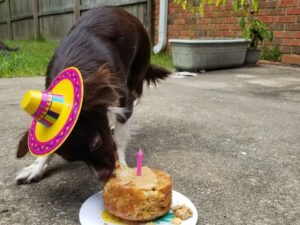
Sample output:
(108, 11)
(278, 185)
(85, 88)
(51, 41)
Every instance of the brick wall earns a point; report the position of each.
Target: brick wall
(221, 21)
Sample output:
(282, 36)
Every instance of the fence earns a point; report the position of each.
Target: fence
(52, 19)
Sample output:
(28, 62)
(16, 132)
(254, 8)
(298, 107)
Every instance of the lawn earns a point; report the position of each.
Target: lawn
(30, 60)
(33, 57)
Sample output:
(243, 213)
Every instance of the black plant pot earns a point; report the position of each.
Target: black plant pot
(252, 56)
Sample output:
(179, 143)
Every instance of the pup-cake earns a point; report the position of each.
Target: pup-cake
(138, 198)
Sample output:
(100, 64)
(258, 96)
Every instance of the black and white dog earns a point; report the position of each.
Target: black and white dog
(112, 50)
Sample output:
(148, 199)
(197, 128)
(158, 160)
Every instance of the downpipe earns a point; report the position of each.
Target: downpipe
(162, 29)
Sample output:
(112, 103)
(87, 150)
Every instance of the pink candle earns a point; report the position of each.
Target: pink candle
(139, 163)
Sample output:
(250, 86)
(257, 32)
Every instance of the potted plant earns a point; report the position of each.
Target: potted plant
(257, 31)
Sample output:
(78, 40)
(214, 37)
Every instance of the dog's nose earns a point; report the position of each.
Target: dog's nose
(102, 174)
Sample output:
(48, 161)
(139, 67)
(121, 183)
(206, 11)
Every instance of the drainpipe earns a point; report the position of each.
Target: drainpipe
(162, 30)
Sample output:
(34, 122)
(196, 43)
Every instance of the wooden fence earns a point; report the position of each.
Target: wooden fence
(52, 19)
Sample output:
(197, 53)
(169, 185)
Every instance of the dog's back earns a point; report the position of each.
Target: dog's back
(107, 35)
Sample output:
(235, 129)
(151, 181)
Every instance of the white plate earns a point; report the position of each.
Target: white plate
(91, 212)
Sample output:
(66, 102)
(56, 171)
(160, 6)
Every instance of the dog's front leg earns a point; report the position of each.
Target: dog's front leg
(121, 131)
(121, 137)
(35, 171)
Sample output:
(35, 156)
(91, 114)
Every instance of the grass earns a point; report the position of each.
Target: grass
(30, 60)
(162, 59)
(33, 57)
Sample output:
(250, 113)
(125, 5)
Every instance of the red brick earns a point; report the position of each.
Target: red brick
(296, 34)
(206, 26)
(203, 21)
(285, 49)
(221, 7)
(184, 37)
(208, 8)
(224, 27)
(295, 50)
(218, 20)
(228, 34)
(194, 27)
(171, 5)
(262, 12)
(222, 13)
(171, 10)
(228, 6)
(267, 19)
(214, 33)
(230, 20)
(276, 41)
(287, 3)
(179, 21)
(235, 27)
(290, 59)
(285, 19)
(177, 16)
(292, 27)
(186, 33)
(283, 34)
(278, 27)
(201, 33)
(209, 14)
(293, 11)
(276, 12)
(291, 42)
(174, 27)
(268, 4)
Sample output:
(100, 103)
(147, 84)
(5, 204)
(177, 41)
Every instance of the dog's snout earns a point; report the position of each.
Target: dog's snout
(102, 174)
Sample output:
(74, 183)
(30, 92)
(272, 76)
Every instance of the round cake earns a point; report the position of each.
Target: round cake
(138, 198)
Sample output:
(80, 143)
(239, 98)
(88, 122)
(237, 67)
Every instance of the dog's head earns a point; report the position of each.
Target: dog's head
(91, 140)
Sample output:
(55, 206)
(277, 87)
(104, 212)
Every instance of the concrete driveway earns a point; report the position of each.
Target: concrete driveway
(229, 138)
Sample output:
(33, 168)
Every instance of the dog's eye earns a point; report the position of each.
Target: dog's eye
(95, 142)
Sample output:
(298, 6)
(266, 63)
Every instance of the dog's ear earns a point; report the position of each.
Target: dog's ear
(95, 142)
(101, 90)
(23, 146)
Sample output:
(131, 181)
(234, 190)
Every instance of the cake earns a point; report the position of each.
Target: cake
(138, 198)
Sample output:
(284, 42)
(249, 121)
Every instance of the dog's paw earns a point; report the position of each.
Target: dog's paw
(32, 173)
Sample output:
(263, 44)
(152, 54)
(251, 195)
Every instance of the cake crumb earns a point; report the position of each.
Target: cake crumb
(183, 212)
(176, 221)
(174, 208)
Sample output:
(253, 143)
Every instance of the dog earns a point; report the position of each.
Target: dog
(112, 50)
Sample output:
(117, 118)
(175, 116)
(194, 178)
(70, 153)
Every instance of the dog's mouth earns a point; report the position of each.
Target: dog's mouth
(102, 174)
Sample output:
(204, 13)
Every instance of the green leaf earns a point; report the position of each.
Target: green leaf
(218, 2)
(201, 9)
(242, 22)
(235, 5)
(255, 5)
(183, 5)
